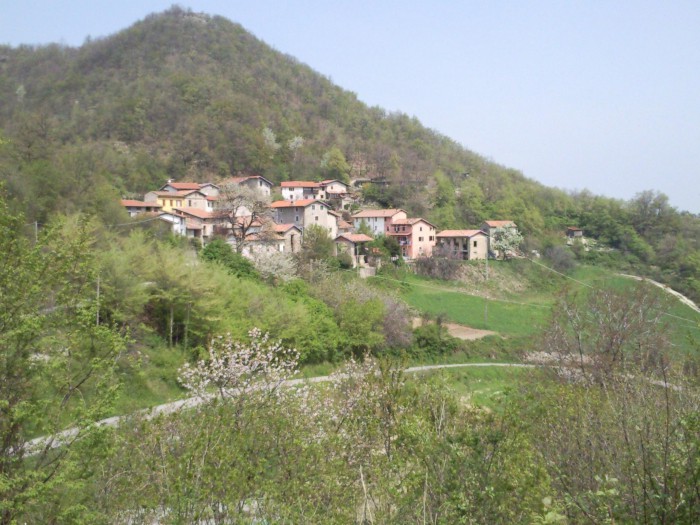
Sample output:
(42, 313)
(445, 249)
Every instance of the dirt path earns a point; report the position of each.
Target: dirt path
(682, 298)
(459, 331)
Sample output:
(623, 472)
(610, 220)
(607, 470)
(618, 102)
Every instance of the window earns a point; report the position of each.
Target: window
(189, 203)
(421, 228)
(420, 239)
(431, 238)
(171, 202)
(316, 218)
(474, 244)
(313, 206)
(296, 218)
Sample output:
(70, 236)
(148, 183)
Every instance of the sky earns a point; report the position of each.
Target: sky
(590, 94)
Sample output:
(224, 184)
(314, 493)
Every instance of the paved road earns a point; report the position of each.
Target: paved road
(37, 444)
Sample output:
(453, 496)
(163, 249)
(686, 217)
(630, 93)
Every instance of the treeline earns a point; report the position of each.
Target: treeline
(194, 97)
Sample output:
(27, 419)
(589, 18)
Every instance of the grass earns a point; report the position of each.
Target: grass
(507, 317)
(482, 386)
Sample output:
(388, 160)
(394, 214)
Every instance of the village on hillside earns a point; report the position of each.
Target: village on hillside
(240, 210)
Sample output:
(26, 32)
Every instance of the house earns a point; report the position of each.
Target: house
(332, 188)
(464, 244)
(416, 236)
(254, 182)
(303, 213)
(337, 193)
(282, 238)
(378, 221)
(344, 227)
(178, 223)
(207, 188)
(493, 228)
(293, 190)
(353, 244)
(199, 223)
(134, 207)
(573, 233)
(169, 200)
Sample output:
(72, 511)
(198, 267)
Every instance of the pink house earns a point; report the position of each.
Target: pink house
(378, 221)
(416, 237)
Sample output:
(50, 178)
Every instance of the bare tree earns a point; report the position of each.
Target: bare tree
(246, 211)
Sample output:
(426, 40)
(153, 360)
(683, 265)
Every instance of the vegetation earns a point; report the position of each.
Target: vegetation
(100, 314)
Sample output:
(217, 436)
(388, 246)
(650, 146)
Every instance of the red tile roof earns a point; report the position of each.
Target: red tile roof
(355, 237)
(301, 203)
(184, 185)
(377, 213)
(410, 221)
(198, 212)
(299, 184)
(140, 204)
(460, 233)
(283, 228)
(499, 224)
(243, 178)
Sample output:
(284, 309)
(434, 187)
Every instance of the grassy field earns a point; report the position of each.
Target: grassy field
(481, 386)
(526, 313)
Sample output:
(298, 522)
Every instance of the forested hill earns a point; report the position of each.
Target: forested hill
(190, 96)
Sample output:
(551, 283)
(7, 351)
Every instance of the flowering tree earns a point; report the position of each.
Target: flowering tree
(235, 368)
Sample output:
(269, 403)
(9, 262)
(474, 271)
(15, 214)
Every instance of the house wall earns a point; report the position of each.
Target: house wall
(291, 241)
(293, 216)
(258, 185)
(379, 225)
(336, 187)
(298, 193)
(319, 214)
(423, 237)
(196, 200)
(168, 202)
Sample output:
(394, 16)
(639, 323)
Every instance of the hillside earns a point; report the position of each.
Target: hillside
(191, 96)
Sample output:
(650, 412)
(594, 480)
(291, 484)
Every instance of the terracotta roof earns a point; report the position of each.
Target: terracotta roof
(185, 193)
(299, 184)
(197, 212)
(355, 237)
(238, 180)
(574, 228)
(376, 213)
(139, 204)
(301, 203)
(499, 224)
(344, 225)
(183, 185)
(328, 181)
(283, 228)
(212, 198)
(411, 221)
(460, 233)
(171, 194)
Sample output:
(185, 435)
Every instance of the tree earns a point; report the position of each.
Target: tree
(506, 241)
(56, 362)
(317, 245)
(219, 251)
(334, 165)
(245, 210)
(617, 426)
